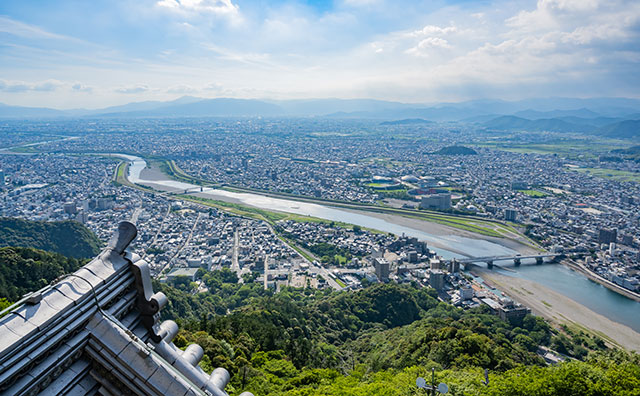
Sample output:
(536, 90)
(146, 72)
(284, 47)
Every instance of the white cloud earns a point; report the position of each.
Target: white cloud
(432, 30)
(427, 44)
(20, 29)
(21, 86)
(403, 50)
(361, 3)
(135, 89)
(81, 87)
(181, 89)
(216, 87)
(216, 7)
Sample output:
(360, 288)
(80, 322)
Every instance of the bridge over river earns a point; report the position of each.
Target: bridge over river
(490, 260)
(517, 259)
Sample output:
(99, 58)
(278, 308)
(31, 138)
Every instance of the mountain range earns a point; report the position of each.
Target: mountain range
(619, 128)
(616, 117)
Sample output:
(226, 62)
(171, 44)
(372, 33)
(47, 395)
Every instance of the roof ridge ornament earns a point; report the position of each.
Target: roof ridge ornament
(125, 233)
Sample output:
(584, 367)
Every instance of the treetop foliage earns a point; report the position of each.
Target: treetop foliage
(68, 237)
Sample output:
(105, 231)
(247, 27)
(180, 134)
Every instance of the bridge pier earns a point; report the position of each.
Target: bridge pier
(490, 264)
(466, 265)
(539, 260)
(517, 262)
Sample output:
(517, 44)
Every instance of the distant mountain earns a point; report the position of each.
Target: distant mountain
(456, 150)
(627, 129)
(407, 121)
(634, 150)
(447, 113)
(222, 107)
(536, 115)
(321, 107)
(144, 106)
(68, 238)
(480, 118)
(596, 122)
(522, 124)
(29, 112)
(188, 106)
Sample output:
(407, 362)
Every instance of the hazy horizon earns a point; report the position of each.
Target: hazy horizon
(104, 53)
(196, 98)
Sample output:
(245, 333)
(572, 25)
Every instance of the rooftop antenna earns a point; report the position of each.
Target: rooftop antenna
(442, 388)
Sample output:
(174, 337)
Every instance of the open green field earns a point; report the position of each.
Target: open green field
(378, 185)
(24, 149)
(120, 174)
(611, 174)
(270, 217)
(171, 169)
(534, 193)
(472, 225)
(567, 147)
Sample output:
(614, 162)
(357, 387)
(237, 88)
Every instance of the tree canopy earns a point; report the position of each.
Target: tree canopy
(68, 238)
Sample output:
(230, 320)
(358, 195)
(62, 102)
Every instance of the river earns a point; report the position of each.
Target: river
(556, 277)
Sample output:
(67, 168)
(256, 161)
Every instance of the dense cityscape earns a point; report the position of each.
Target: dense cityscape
(549, 197)
(320, 198)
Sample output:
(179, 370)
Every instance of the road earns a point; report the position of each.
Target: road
(312, 267)
(266, 271)
(186, 242)
(235, 264)
(136, 214)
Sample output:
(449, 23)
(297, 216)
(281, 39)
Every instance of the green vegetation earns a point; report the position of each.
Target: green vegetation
(68, 237)
(330, 254)
(614, 174)
(567, 146)
(456, 150)
(631, 153)
(25, 149)
(121, 174)
(478, 226)
(376, 341)
(24, 270)
(269, 216)
(385, 186)
(395, 194)
(171, 169)
(238, 209)
(155, 250)
(533, 193)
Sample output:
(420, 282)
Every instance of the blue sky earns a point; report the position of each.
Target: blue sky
(68, 54)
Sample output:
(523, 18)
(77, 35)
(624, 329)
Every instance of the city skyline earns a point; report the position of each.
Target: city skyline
(108, 53)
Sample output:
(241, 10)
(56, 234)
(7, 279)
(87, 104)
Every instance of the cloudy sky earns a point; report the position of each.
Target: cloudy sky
(80, 53)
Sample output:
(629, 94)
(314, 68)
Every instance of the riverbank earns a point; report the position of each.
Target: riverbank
(443, 230)
(475, 224)
(598, 279)
(447, 233)
(560, 309)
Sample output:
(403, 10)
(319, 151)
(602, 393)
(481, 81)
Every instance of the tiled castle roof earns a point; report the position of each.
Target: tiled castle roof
(96, 332)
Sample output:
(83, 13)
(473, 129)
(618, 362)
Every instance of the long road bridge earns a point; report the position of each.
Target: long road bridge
(517, 259)
(490, 260)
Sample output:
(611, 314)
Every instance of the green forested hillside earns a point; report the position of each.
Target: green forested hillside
(68, 238)
(376, 341)
(24, 270)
